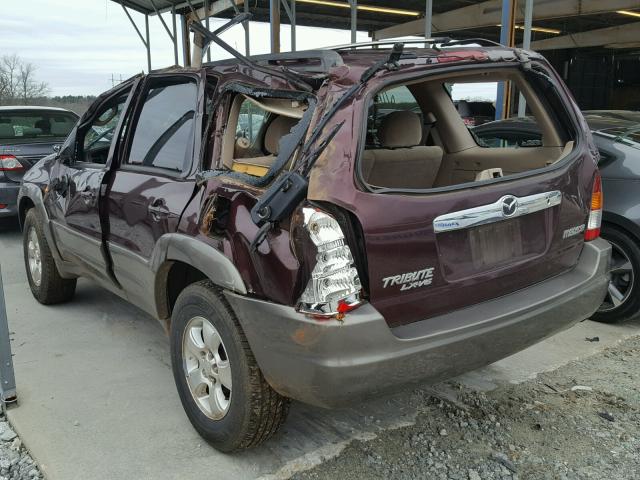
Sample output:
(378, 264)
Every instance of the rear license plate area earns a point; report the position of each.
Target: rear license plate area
(473, 251)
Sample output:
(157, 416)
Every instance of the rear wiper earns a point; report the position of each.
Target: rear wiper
(204, 37)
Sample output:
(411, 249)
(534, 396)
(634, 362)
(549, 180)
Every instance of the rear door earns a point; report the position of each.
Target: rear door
(154, 180)
(76, 185)
(453, 246)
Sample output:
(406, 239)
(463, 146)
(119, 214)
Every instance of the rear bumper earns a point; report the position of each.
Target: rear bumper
(9, 197)
(331, 363)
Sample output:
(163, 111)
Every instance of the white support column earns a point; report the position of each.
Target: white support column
(428, 19)
(526, 44)
(354, 19)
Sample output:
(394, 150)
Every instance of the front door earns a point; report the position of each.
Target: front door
(74, 201)
(154, 181)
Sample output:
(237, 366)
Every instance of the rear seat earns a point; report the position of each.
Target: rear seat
(402, 162)
(259, 166)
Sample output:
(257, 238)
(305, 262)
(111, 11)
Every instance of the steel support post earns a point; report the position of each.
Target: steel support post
(206, 24)
(290, 10)
(526, 44)
(247, 36)
(428, 19)
(507, 37)
(172, 36)
(354, 19)
(143, 38)
(274, 22)
(7, 377)
(186, 42)
(148, 43)
(175, 35)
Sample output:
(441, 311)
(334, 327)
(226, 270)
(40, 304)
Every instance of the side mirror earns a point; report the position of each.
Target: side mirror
(65, 152)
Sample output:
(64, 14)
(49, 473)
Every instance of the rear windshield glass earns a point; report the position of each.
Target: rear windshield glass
(35, 125)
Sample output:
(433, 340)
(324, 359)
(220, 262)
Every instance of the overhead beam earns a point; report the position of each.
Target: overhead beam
(488, 14)
(619, 35)
(214, 8)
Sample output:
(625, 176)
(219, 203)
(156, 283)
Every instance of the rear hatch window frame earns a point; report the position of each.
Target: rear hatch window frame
(538, 68)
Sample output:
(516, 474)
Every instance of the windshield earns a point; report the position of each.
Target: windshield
(35, 125)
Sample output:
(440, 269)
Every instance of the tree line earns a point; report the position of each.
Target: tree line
(19, 86)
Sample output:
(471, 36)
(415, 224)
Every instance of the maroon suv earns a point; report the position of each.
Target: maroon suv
(322, 226)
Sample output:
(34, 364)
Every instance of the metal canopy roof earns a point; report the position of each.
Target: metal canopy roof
(317, 14)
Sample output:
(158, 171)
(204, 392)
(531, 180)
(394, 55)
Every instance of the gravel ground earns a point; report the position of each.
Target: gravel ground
(15, 461)
(581, 421)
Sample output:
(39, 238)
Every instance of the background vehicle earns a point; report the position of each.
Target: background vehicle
(26, 135)
(327, 255)
(475, 112)
(618, 142)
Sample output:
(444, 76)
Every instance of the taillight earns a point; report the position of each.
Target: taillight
(9, 162)
(595, 213)
(334, 286)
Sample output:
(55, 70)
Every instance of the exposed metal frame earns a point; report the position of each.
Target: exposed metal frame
(8, 392)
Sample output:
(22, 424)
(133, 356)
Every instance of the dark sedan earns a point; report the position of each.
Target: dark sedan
(618, 141)
(26, 135)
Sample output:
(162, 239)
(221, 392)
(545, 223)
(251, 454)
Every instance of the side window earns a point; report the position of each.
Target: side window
(386, 102)
(163, 136)
(475, 102)
(97, 138)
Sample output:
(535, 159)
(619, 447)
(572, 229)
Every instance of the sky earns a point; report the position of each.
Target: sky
(77, 45)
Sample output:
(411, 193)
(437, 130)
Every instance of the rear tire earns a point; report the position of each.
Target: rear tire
(220, 385)
(46, 284)
(623, 296)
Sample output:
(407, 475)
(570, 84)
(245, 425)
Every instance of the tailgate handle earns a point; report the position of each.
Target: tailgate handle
(504, 208)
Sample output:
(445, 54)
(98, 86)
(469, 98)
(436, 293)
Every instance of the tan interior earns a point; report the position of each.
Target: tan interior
(236, 156)
(404, 161)
(400, 135)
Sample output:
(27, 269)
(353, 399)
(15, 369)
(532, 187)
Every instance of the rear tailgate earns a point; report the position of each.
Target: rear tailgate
(428, 254)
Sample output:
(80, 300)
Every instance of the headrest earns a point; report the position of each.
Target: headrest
(401, 128)
(278, 128)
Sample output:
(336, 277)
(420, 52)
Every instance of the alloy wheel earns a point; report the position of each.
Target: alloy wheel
(34, 257)
(622, 279)
(206, 367)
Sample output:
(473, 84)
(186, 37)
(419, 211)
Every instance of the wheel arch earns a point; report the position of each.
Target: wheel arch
(621, 222)
(180, 260)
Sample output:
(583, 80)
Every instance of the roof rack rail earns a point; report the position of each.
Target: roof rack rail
(435, 41)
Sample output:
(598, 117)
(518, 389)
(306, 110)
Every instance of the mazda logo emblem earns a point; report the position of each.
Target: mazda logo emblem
(509, 205)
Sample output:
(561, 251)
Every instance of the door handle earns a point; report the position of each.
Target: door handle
(158, 210)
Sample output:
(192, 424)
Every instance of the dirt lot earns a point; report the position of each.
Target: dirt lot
(581, 421)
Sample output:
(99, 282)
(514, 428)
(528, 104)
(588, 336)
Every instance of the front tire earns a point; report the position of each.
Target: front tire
(220, 385)
(623, 296)
(46, 284)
